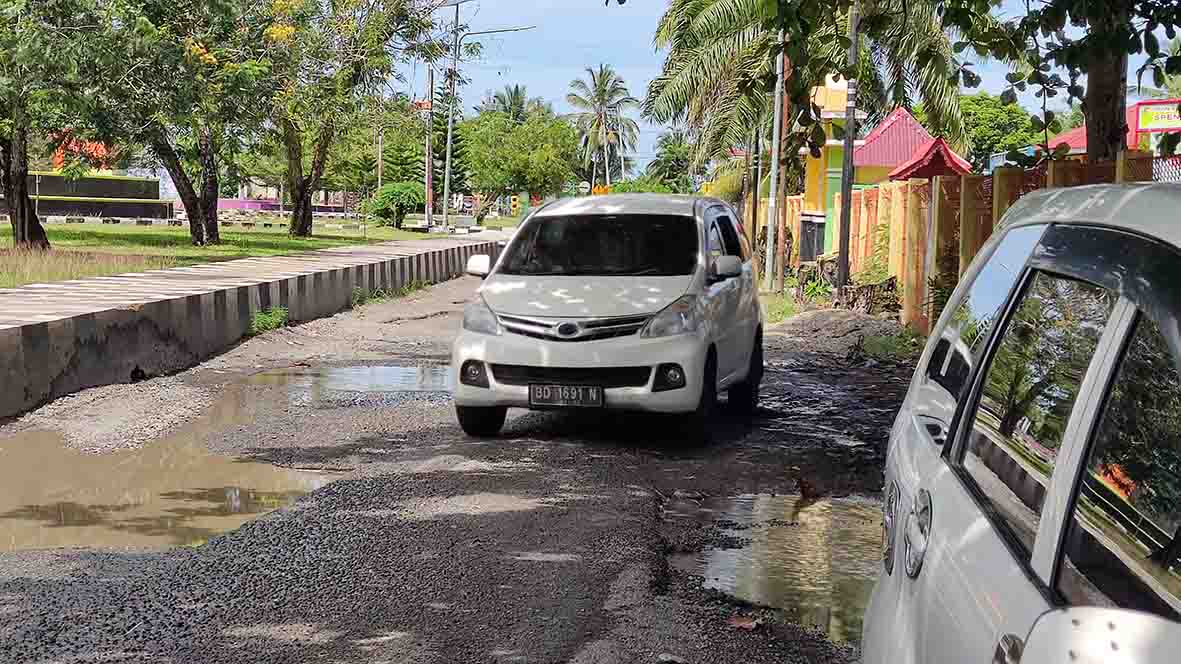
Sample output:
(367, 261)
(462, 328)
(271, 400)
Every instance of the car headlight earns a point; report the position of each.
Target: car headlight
(680, 317)
(477, 317)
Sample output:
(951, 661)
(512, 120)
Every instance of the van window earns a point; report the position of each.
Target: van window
(961, 342)
(729, 236)
(1123, 542)
(1026, 396)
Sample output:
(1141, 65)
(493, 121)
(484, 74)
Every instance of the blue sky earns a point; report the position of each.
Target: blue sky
(572, 35)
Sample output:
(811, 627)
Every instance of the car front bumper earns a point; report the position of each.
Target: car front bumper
(687, 350)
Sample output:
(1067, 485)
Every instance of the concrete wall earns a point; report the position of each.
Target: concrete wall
(40, 361)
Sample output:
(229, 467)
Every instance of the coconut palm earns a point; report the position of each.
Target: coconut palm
(600, 102)
(515, 102)
(673, 164)
(719, 56)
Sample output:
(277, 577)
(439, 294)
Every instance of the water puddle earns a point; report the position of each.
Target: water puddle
(330, 385)
(817, 561)
(172, 492)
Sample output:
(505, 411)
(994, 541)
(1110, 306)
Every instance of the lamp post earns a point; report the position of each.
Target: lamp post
(451, 99)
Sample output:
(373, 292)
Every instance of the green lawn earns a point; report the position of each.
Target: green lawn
(501, 222)
(91, 250)
(778, 307)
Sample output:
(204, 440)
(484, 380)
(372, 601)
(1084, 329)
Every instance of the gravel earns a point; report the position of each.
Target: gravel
(547, 544)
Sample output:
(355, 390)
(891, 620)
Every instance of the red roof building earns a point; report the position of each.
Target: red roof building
(934, 158)
(892, 142)
(1142, 118)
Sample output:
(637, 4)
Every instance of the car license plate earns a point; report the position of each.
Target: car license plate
(579, 396)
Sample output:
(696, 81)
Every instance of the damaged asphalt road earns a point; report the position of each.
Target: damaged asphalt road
(558, 542)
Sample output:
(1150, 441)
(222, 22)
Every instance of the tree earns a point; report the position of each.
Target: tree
(720, 63)
(182, 79)
(35, 56)
(394, 201)
(673, 164)
(334, 56)
(459, 165)
(536, 156)
(1172, 81)
(514, 102)
(600, 102)
(642, 185)
(993, 126)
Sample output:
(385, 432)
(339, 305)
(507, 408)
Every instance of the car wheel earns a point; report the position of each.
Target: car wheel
(744, 397)
(698, 427)
(481, 421)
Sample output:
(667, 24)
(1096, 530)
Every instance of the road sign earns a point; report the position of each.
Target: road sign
(584, 188)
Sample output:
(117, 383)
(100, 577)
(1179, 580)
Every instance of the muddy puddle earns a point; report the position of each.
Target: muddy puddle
(170, 492)
(815, 560)
(333, 384)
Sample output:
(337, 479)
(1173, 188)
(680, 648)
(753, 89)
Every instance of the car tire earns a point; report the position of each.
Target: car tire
(481, 421)
(744, 397)
(698, 426)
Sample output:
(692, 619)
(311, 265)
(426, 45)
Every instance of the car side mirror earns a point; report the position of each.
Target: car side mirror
(1089, 635)
(726, 267)
(479, 265)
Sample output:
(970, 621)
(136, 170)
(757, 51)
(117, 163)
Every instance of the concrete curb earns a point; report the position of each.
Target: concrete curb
(56, 339)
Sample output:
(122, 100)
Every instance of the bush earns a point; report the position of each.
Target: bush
(643, 185)
(267, 320)
(394, 201)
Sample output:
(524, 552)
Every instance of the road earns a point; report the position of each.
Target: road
(308, 497)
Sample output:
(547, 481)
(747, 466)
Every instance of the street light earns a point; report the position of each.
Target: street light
(451, 99)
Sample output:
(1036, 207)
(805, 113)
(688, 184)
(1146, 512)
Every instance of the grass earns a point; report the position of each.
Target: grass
(778, 307)
(362, 297)
(901, 345)
(501, 222)
(19, 267)
(267, 320)
(94, 250)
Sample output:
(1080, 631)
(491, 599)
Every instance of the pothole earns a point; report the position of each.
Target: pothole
(816, 561)
(173, 492)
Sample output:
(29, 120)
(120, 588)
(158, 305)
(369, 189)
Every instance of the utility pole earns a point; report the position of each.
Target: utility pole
(772, 205)
(430, 156)
(607, 150)
(847, 165)
(451, 101)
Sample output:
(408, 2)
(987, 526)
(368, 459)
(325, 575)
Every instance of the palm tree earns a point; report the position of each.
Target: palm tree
(674, 159)
(1172, 87)
(600, 103)
(719, 56)
(514, 102)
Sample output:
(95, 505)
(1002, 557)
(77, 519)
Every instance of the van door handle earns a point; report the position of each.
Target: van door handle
(1008, 650)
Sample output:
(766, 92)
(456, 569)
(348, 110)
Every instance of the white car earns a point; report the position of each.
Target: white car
(635, 302)
(1034, 469)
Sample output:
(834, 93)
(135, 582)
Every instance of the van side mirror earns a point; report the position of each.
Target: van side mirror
(1090, 635)
(479, 265)
(726, 267)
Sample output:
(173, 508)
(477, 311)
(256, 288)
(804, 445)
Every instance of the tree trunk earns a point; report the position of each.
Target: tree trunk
(27, 231)
(194, 209)
(300, 186)
(1105, 105)
(1168, 553)
(207, 151)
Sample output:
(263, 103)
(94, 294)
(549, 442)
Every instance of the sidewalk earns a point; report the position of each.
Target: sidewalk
(62, 337)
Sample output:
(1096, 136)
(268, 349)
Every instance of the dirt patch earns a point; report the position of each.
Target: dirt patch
(828, 331)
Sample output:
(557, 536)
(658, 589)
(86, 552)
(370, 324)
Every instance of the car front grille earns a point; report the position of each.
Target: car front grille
(582, 329)
(516, 374)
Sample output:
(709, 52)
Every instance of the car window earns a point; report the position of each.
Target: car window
(962, 341)
(605, 245)
(716, 246)
(1026, 396)
(1123, 541)
(729, 235)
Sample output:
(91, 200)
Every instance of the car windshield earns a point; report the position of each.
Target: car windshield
(633, 244)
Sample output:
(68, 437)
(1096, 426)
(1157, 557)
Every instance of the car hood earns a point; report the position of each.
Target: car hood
(581, 297)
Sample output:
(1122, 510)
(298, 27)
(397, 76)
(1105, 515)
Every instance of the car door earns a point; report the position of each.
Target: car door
(1117, 539)
(749, 311)
(972, 457)
(722, 299)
